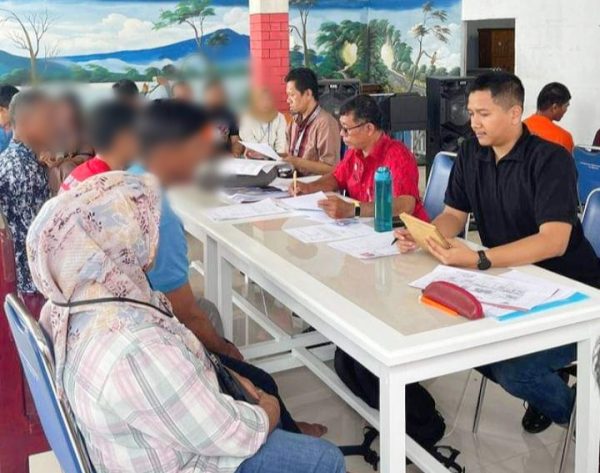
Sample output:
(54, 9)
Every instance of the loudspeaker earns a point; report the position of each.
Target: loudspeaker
(333, 93)
(402, 112)
(448, 122)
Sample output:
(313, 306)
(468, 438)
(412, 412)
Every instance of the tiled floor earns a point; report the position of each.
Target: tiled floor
(501, 446)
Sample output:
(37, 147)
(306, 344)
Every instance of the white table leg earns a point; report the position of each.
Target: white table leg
(392, 422)
(588, 410)
(225, 290)
(211, 270)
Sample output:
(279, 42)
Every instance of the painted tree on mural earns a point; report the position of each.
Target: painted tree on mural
(190, 12)
(29, 36)
(432, 24)
(303, 7)
(338, 41)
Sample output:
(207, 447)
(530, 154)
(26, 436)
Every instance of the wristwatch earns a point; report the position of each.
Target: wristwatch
(356, 209)
(484, 263)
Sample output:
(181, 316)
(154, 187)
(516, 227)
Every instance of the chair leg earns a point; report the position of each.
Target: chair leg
(567, 443)
(479, 406)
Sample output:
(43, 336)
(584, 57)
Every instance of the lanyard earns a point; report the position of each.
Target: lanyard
(302, 127)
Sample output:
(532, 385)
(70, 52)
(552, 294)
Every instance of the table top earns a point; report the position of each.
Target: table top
(370, 300)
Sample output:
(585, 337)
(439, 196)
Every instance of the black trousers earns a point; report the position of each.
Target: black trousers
(264, 381)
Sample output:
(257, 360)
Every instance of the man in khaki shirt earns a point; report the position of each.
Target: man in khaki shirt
(313, 136)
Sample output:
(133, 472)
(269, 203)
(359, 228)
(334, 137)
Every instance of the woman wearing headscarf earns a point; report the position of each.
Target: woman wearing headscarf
(145, 394)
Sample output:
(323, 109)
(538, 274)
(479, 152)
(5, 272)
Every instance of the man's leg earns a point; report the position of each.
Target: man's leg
(294, 453)
(264, 381)
(212, 313)
(534, 378)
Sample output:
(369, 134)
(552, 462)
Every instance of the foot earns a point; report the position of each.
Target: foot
(534, 421)
(314, 430)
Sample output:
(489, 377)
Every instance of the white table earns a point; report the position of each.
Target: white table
(368, 310)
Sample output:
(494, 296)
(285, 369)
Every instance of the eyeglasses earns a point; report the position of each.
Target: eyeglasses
(346, 131)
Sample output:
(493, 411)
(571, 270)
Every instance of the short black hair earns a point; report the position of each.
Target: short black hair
(7, 92)
(505, 87)
(364, 108)
(553, 93)
(304, 79)
(125, 89)
(167, 121)
(107, 120)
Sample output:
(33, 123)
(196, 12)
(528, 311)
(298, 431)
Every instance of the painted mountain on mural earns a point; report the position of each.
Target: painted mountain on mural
(396, 43)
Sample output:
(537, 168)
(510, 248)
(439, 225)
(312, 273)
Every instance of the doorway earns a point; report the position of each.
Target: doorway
(490, 44)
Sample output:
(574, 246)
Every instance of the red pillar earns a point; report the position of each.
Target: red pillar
(270, 47)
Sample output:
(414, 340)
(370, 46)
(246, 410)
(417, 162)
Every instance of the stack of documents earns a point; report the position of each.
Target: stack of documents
(371, 246)
(241, 195)
(508, 295)
(244, 167)
(329, 232)
(245, 211)
(305, 203)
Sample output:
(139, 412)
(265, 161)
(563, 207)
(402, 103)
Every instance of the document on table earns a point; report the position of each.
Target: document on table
(305, 202)
(243, 211)
(252, 194)
(329, 232)
(285, 183)
(371, 246)
(244, 167)
(263, 149)
(492, 290)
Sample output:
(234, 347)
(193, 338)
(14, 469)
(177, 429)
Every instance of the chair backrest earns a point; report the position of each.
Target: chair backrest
(37, 361)
(433, 200)
(587, 161)
(591, 220)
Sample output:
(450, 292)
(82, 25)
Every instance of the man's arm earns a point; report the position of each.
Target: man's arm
(327, 183)
(451, 222)
(237, 149)
(306, 166)
(189, 314)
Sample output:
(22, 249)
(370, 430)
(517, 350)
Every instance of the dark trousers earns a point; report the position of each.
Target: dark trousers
(264, 381)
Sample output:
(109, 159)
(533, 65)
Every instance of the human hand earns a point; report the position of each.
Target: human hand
(248, 386)
(301, 188)
(458, 254)
(250, 154)
(404, 240)
(232, 351)
(270, 404)
(336, 207)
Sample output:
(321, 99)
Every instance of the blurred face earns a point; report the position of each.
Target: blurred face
(126, 147)
(263, 101)
(4, 117)
(67, 128)
(176, 163)
(215, 97)
(493, 123)
(183, 92)
(299, 102)
(37, 125)
(356, 133)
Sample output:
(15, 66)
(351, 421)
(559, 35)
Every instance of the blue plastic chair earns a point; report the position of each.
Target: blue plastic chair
(587, 161)
(37, 361)
(591, 219)
(433, 200)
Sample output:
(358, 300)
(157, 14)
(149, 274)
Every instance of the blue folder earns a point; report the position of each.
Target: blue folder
(577, 297)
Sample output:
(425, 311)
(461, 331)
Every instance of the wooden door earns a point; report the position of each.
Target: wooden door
(497, 48)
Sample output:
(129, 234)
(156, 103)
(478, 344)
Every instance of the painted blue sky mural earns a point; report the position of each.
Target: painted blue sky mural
(101, 40)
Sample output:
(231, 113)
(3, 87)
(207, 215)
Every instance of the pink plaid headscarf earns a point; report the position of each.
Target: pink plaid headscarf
(94, 242)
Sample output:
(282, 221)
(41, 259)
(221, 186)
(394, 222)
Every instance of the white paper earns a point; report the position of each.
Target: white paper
(262, 148)
(244, 167)
(369, 247)
(284, 183)
(243, 211)
(329, 232)
(252, 195)
(562, 292)
(305, 202)
(492, 290)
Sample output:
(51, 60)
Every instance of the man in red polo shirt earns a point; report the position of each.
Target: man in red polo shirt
(112, 134)
(369, 148)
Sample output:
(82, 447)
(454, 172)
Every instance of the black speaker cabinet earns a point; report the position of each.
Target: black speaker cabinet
(333, 93)
(448, 122)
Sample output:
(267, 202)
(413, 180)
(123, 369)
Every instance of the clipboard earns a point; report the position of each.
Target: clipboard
(421, 230)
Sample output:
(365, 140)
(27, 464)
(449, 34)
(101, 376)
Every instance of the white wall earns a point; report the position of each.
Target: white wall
(556, 40)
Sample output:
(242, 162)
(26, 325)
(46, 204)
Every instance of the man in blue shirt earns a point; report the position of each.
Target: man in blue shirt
(23, 179)
(7, 92)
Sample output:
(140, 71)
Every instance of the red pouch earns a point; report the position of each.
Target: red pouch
(455, 298)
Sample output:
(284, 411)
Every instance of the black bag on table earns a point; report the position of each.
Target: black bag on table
(424, 424)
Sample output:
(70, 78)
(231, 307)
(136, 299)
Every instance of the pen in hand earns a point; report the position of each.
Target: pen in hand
(395, 241)
(295, 177)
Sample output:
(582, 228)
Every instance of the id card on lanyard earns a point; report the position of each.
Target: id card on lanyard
(298, 140)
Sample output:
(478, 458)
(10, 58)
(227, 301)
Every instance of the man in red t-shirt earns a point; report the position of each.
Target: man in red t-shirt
(112, 134)
(369, 148)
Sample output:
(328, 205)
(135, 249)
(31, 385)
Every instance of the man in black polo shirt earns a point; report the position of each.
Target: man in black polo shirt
(522, 191)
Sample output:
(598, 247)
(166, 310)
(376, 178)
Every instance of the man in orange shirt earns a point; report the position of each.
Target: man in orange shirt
(552, 104)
